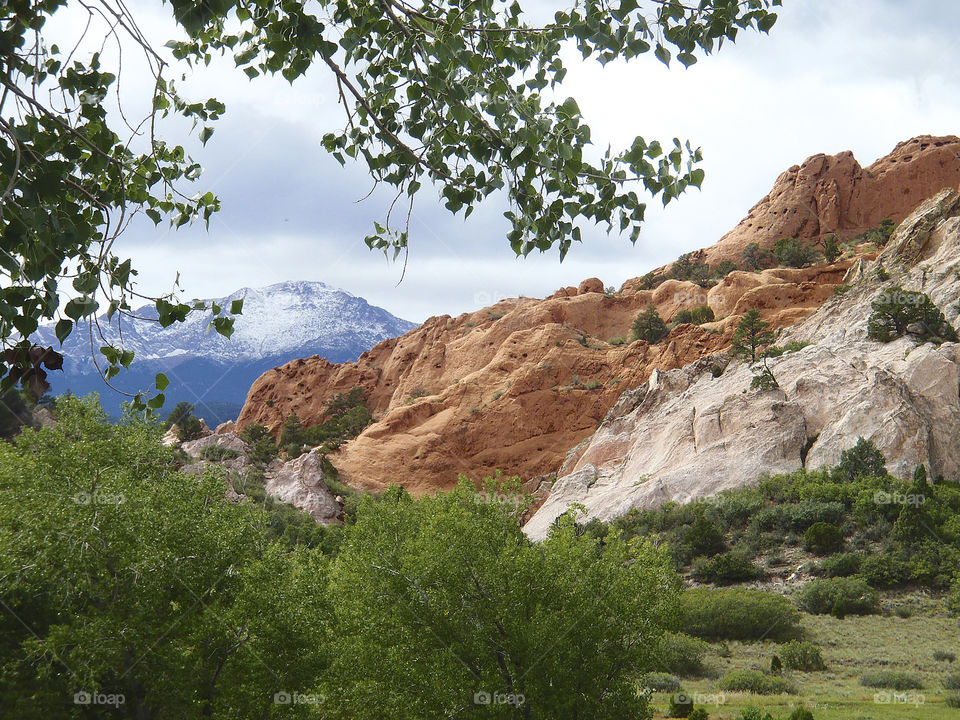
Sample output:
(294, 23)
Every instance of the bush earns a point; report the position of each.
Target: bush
(884, 570)
(791, 252)
(755, 258)
(260, 442)
(702, 314)
(823, 538)
(839, 597)
(830, 250)
(681, 705)
(754, 713)
(776, 665)
(649, 326)
(862, 460)
(217, 453)
(704, 538)
(895, 310)
(952, 681)
(840, 565)
(800, 713)
(754, 681)
(660, 682)
(946, 656)
(802, 655)
(738, 614)
(698, 714)
(726, 569)
(682, 655)
(951, 700)
(891, 680)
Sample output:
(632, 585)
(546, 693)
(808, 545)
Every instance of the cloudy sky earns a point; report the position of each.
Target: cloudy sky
(856, 75)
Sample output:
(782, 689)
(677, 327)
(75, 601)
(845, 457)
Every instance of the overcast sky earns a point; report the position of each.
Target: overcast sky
(856, 75)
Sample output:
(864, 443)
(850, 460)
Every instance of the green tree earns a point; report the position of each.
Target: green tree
(862, 460)
(649, 326)
(752, 334)
(180, 412)
(438, 96)
(830, 249)
(122, 576)
(897, 311)
(791, 252)
(756, 258)
(442, 602)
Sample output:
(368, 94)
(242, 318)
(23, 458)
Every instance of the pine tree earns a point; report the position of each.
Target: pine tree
(752, 334)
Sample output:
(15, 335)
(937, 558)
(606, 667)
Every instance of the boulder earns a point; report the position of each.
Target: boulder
(300, 482)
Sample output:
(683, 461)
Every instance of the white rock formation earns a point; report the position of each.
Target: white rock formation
(300, 483)
(691, 435)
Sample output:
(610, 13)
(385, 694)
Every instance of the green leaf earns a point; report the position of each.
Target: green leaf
(236, 307)
(162, 382)
(63, 330)
(662, 54)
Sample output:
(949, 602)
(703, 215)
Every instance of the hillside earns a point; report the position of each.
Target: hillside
(689, 433)
(514, 386)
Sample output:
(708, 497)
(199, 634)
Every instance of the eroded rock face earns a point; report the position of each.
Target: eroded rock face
(829, 194)
(514, 386)
(300, 482)
(693, 435)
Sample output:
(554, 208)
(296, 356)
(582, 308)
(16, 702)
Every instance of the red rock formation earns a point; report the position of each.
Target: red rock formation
(830, 194)
(516, 385)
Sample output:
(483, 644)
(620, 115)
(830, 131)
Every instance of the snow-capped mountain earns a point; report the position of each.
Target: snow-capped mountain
(279, 323)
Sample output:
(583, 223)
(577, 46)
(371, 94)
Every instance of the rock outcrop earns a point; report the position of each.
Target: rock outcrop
(514, 386)
(300, 482)
(689, 434)
(833, 194)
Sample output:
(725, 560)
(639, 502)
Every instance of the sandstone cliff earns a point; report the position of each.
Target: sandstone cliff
(833, 194)
(688, 434)
(516, 385)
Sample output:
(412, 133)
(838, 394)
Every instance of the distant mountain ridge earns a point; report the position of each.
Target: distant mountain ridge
(279, 323)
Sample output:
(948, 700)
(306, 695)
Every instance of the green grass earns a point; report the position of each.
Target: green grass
(852, 647)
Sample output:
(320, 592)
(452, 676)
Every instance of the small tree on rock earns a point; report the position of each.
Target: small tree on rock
(649, 326)
(897, 311)
(752, 334)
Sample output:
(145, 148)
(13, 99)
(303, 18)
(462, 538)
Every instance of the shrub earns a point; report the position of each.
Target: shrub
(776, 665)
(702, 314)
(823, 538)
(802, 655)
(218, 452)
(946, 656)
(683, 316)
(703, 537)
(660, 682)
(727, 568)
(682, 655)
(791, 252)
(895, 310)
(952, 681)
(755, 258)
(754, 681)
(838, 596)
(698, 714)
(649, 326)
(260, 442)
(738, 614)
(800, 713)
(884, 570)
(952, 700)
(830, 250)
(754, 713)
(681, 705)
(891, 680)
(840, 565)
(723, 268)
(862, 460)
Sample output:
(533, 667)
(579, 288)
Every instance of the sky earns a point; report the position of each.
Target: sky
(835, 75)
